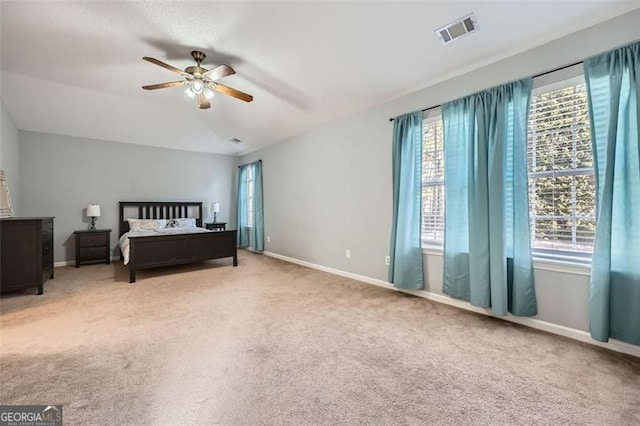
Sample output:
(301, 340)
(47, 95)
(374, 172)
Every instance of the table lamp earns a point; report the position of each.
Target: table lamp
(215, 207)
(93, 211)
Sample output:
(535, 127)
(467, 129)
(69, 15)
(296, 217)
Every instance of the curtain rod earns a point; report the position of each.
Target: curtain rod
(242, 165)
(535, 76)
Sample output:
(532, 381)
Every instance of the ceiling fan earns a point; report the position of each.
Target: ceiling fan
(200, 82)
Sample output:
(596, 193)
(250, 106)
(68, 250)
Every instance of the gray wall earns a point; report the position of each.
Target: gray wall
(61, 175)
(9, 155)
(329, 189)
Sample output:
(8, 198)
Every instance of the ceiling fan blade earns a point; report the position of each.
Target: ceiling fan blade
(203, 102)
(164, 85)
(233, 92)
(163, 65)
(219, 72)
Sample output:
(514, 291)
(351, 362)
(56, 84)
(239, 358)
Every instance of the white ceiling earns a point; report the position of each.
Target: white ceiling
(76, 68)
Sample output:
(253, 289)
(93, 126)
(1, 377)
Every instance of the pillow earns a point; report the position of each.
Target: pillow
(134, 225)
(186, 222)
(153, 224)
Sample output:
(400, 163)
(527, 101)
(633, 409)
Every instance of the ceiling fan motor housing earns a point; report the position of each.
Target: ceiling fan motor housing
(195, 69)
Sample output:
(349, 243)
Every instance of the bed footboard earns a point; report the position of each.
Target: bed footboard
(155, 251)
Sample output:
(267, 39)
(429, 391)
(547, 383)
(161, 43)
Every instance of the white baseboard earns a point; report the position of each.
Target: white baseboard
(572, 333)
(73, 262)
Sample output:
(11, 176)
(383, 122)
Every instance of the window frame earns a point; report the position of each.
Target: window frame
(431, 116)
(564, 78)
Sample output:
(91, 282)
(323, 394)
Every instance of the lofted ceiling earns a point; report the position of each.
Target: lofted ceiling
(75, 67)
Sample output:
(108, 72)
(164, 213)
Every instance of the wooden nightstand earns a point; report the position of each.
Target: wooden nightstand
(93, 246)
(216, 226)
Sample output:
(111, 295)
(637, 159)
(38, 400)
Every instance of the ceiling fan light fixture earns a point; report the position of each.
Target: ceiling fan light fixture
(208, 93)
(189, 92)
(197, 86)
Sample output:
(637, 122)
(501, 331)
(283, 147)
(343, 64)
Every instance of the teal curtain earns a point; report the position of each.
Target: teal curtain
(243, 230)
(405, 268)
(613, 87)
(487, 249)
(250, 229)
(258, 209)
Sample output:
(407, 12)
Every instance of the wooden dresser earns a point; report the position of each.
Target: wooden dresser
(26, 252)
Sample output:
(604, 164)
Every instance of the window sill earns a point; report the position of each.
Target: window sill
(554, 265)
(563, 266)
(432, 249)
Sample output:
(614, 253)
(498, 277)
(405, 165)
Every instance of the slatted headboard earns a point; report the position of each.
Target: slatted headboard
(158, 210)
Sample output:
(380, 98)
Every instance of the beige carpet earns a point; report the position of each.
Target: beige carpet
(272, 343)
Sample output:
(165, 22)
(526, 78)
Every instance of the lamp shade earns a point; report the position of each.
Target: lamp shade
(215, 207)
(93, 210)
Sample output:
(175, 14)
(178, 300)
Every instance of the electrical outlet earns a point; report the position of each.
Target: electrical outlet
(347, 254)
(268, 239)
(387, 260)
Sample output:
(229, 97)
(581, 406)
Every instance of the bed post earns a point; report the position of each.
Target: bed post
(120, 227)
(132, 260)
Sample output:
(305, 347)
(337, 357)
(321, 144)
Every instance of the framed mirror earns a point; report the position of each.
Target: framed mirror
(6, 210)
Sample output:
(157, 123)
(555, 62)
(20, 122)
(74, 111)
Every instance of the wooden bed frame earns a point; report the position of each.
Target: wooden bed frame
(154, 251)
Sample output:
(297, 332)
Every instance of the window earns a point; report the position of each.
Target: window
(561, 176)
(433, 180)
(562, 188)
(250, 171)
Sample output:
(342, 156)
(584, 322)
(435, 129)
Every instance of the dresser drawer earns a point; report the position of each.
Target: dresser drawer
(92, 240)
(93, 253)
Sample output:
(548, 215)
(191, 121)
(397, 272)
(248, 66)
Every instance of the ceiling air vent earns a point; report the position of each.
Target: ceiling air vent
(457, 29)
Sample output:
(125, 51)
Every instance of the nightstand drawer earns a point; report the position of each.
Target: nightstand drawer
(93, 253)
(216, 226)
(92, 240)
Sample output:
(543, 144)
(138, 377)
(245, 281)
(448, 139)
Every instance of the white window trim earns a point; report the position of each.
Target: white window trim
(432, 114)
(557, 78)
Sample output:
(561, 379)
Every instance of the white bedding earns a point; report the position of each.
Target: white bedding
(124, 239)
